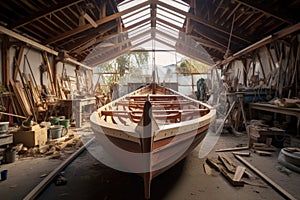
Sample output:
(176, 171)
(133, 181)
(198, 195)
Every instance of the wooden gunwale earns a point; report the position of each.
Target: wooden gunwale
(127, 112)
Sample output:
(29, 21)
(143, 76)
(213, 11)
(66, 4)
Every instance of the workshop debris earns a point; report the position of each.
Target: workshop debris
(224, 171)
(53, 148)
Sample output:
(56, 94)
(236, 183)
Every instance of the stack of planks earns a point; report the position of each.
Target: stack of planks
(20, 96)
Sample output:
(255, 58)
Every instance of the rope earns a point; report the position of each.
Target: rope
(230, 35)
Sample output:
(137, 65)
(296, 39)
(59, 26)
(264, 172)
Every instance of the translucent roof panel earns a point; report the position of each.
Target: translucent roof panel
(177, 4)
(135, 16)
(170, 16)
(144, 12)
(129, 3)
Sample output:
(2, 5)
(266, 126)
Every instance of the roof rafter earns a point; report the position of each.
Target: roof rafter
(37, 16)
(98, 22)
(266, 11)
(202, 21)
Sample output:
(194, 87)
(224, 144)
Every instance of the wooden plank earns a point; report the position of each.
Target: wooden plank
(230, 179)
(207, 169)
(241, 153)
(223, 171)
(233, 149)
(46, 60)
(264, 148)
(17, 63)
(42, 185)
(21, 98)
(263, 153)
(13, 115)
(274, 185)
(240, 170)
(227, 162)
(213, 163)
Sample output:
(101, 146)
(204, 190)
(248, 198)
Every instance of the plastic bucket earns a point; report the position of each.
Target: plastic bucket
(55, 131)
(4, 174)
(9, 156)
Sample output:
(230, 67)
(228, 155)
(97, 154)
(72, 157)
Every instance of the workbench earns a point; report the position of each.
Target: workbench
(77, 106)
(277, 109)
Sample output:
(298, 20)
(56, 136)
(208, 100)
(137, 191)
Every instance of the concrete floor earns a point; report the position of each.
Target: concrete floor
(89, 179)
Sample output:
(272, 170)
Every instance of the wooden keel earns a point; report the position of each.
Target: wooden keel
(146, 143)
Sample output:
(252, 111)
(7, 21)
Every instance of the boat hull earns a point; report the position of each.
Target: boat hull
(157, 139)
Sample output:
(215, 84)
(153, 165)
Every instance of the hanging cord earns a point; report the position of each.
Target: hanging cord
(229, 40)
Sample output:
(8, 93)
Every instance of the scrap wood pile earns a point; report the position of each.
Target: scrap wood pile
(54, 148)
(237, 175)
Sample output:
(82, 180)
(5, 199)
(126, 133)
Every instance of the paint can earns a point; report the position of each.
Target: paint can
(4, 174)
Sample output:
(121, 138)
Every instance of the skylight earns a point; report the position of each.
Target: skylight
(144, 12)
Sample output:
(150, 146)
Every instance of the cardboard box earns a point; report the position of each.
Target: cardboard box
(32, 138)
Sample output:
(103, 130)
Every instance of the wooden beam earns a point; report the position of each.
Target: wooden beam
(93, 35)
(90, 20)
(116, 54)
(38, 45)
(33, 194)
(208, 44)
(266, 11)
(98, 22)
(54, 8)
(202, 21)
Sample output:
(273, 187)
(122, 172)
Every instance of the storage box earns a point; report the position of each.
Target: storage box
(31, 138)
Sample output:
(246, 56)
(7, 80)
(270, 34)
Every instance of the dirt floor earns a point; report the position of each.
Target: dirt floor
(87, 178)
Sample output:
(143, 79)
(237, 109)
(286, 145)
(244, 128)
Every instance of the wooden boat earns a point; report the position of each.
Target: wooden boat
(151, 129)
